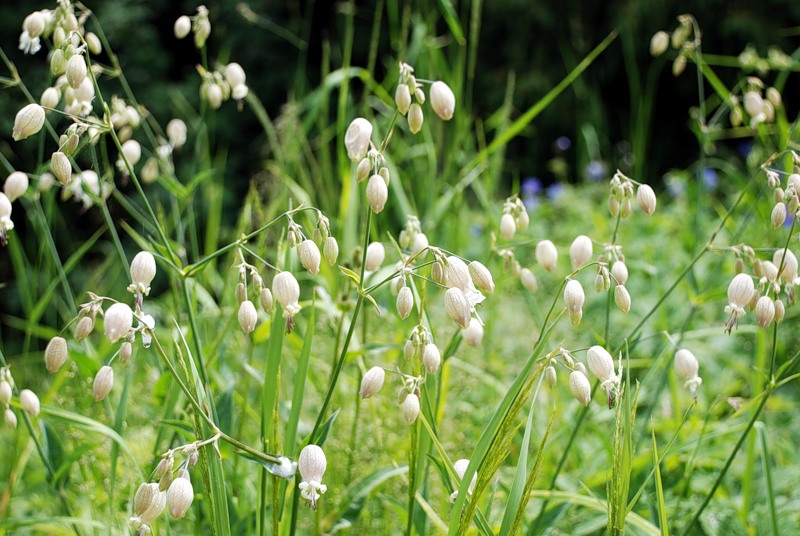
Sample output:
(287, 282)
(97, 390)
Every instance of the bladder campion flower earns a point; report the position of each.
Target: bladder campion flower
(179, 497)
(55, 355)
(574, 298)
(357, 137)
(28, 122)
(579, 385)
(372, 382)
(547, 255)
(686, 366)
(443, 101)
(118, 321)
(460, 467)
(29, 402)
(309, 256)
(287, 291)
(103, 383)
(580, 251)
(248, 317)
(410, 408)
(312, 465)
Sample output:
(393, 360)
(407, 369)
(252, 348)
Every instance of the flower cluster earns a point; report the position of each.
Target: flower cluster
(27, 399)
(442, 99)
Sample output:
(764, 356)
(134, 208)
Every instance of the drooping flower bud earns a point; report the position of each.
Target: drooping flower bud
(29, 402)
(601, 364)
(157, 505)
(443, 101)
(473, 334)
(415, 118)
(460, 467)
(547, 255)
(10, 418)
(103, 383)
(84, 328)
(248, 317)
(619, 271)
(312, 465)
(118, 321)
(376, 253)
(76, 71)
(528, 280)
(646, 198)
(778, 215)
(410, 408)
(308, 255)
(740, 290)
(143, 271)
(580, 251)
(686, 366)
(574, 298)
(179, 497)
(356, 139)
(372, 382)
(431, 358)
(579, 385)
(622, 298)
(377, 193)
(457, 306)
(481, 276)
(330, 250)
(50, 98)
(144, 497)
(765, 311)
(550, 376)
(402, 97)
(405, 302)
(28, 122)
(458, 274)
(5, 392)
(507, 226)
(523, 220)
(286, 290)
(183, 25)
(780, 311)
(62, 168)
(16, 185)
(265, 297)
(241, 293)
(55, 355)
(125, 352)
(659, 43)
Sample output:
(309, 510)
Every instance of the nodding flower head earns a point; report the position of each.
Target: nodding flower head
(602, 365)
(312, 465)
(460, 467)
(740, 292)
(286, 290)
(686, 366)
(356, 139)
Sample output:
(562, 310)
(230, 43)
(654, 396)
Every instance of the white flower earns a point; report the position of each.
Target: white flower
(287, 291)
(312, 465)
(29, 45)
(460, 467)
(356, 139)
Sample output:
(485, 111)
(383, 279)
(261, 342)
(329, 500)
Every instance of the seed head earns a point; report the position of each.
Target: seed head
(410, 408)
(528, 280)
(356, 139)
(473, 334)
(443, 101)
(330, 250)
(143, 270)
(287, 291)
(579, 385)
(507, 226)
(547, 255)
(179, 497)
(103, 382)
(28, 122)
(76, 71)
(55, 355)
(740, 290)
(10, 418)
(16, 185)
(84, 328)
(183, 25)
(481, 276)
(29, 402)
(765, 311)
(402, 97)
(415, 118)
(580, 251)
(118, 321)
(62, 168)
(646, 198)
(622, 298)
(377, 193)
(372, 382)
(431, 358)
(376, 253)
(308, 255)
(659, 43)
(574, 298)
(248, 317)
(457, 306)
(619, 272)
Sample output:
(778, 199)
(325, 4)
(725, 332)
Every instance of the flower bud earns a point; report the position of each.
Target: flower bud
(118, 321)
(235, 75)
(402, 97)
(356, 139)
(176, 132)
(84, 328)
(363, 169)
(686, 366)
(753, 103)
(93, 43)
(625, 208)
(613, 205)
(580, 251)
(405, 302)
(183, 25)
(308, 255)
(457, 307)
(601, 363)
(460, 467)
(377, 193)
(144, 497)
(376, 253)
(765, 311)
(415, 118)
(546, 255)
(132, 151)
(431, 358)
(443, 101)
(528, 280)
(507, 226)
(619, 272)
(481, 276)
(50, 98)
(372, 382)
(420, 243)
(574, 298)
(179, 497)
(265, 297)
(202, 27)
(523, 220)
(125, 352)
(646, 198)
(248, 317)
(437, 273)
(29, 402)
(16, 185)
(659, 43)
(780, 311)
(287, 291)
(790, 266)
(103, 382)
(458, 274)
(5, 392)
(241, 293)
(410, 408)
(473, 334)
(55, 355)
(579, 385)
(740, 290)
(143, 269)
(76, 71)
(10, 418)
(28, 122)
(622, 298)
(58, 62)
(550, 376)
(778, 215)
(409, 350)
(62, 168)
(330, 250)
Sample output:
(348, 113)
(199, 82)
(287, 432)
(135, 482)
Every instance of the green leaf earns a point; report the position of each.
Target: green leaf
(351, 274)
(322, 432)
(520, 475)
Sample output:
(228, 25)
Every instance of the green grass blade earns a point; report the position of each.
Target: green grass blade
(761, 430)
(662, 509)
